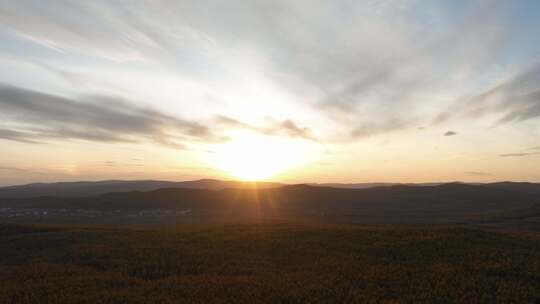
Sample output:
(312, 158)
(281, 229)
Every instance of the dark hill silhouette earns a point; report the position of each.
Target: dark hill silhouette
(88, 188)
(401, 203)
(533, 188)
(73, 189)
(369, 185)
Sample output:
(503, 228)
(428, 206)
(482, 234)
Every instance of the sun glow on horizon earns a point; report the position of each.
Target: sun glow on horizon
(253, 157)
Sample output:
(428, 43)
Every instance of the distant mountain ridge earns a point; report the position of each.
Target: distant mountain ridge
(368, 185)
(87, 188)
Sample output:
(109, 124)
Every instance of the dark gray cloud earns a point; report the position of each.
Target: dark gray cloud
(18, 136)
(517, 154)
(41, 117)
(477, 173)
(450, 133)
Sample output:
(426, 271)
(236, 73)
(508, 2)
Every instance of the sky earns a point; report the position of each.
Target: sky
(291, 91)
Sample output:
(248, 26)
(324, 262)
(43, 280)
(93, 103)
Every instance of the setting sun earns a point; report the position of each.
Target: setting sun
(254, 157)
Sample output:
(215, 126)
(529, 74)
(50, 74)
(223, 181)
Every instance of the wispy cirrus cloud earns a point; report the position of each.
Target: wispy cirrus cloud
(77, 27)
(284, 128)
(516, 99)
(369, 129)
(359, 65)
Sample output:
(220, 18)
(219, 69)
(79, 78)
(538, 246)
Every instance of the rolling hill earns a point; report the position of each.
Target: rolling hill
(452, 202)
(86, 188)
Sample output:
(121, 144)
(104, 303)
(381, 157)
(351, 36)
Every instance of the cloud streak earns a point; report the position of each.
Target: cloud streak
(19, 136)
(514, 100)
(477, 173)
(518, 154)
(284, 128)
(41, 117)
